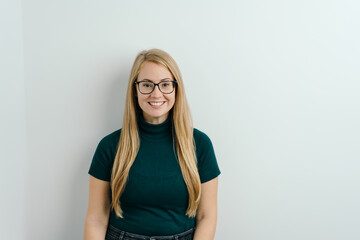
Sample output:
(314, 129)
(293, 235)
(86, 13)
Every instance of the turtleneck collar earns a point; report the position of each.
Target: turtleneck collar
(155, 131)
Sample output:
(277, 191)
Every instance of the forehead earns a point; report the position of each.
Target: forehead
(154, 72)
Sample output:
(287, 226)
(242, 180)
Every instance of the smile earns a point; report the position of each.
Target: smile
(156, 104)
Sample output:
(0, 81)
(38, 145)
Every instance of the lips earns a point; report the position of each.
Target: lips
(156, 101)
(158, 105)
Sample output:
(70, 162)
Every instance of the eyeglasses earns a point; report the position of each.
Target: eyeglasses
(147, 87)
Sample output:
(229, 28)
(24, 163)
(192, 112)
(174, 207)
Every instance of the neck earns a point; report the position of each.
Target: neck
(155, 120)
(155, 132)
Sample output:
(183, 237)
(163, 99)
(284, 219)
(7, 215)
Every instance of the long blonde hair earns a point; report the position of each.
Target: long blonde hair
(129, 142)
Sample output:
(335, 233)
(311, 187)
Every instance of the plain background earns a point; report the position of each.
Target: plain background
(274, 84)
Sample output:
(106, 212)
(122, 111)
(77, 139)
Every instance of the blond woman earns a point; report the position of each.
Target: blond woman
(157, 176)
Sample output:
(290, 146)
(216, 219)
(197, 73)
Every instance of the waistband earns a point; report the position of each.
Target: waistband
(115, 233)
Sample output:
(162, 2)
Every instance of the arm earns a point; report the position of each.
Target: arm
(206, 215)
(98, 211)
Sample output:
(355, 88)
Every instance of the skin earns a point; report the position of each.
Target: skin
(155, 73)
(98, 211)
(206, 215)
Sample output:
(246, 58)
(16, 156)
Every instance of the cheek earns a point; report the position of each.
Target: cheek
(142, 98)
(172, 100)
(142, 101)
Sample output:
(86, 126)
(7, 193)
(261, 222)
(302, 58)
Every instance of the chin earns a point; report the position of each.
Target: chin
(157, 115)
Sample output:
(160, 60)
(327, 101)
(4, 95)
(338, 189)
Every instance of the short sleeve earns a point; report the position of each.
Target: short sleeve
(103, 158)
(207, 163)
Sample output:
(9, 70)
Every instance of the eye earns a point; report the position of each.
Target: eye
(165, 83)
(147, 85)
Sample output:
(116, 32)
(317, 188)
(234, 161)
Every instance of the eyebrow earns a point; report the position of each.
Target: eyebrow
(145, 79)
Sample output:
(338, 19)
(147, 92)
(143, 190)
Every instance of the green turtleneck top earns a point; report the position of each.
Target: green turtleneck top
(155, 197)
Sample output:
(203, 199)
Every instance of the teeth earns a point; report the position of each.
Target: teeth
(156, 104)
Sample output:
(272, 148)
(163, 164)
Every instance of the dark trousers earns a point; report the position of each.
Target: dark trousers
(114, 233)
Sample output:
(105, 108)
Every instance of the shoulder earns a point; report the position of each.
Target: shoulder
(201, 138)
(111, 139)
(206, 159)
(203, 142)
(104, 156)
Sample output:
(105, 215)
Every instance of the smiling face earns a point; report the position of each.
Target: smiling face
(156, 73)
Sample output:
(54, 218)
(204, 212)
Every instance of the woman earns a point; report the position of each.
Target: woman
(157, 175)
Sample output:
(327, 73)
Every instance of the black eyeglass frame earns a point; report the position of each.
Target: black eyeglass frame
(156, 84)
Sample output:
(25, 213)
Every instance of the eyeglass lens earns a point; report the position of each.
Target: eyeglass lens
(147, 87)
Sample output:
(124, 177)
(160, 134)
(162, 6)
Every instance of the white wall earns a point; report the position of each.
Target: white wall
(273, 83)
(13, 155)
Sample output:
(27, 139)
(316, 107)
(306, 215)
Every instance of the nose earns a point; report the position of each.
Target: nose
(156, 92)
